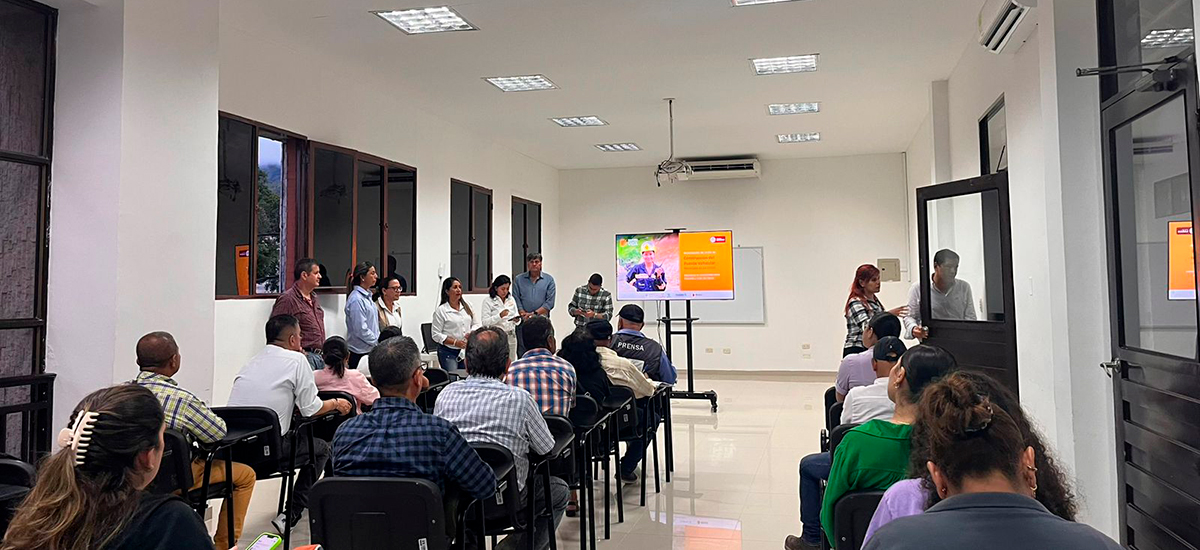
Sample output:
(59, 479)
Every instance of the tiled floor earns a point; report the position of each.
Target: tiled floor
(735, 480)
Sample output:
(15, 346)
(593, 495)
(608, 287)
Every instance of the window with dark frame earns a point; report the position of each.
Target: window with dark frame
(526, 232)
(471, 235)
(993, 139)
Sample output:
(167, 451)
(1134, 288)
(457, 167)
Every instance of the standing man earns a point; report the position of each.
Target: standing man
(534, 293)
(591, 302)
(300, 302)
(949, 298)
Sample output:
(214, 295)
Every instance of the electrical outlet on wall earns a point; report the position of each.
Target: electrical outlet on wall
(708, 350)
(727, 351)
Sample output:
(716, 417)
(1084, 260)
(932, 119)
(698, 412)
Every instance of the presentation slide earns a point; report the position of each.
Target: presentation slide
(1181, 262)
(691, 265)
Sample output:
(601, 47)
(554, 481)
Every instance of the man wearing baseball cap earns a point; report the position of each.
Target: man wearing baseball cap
(870, 402)
(630, 343)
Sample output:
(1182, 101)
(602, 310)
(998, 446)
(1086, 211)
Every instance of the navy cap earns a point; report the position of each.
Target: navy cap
(889, 348)
(632, 312)
(600, 330)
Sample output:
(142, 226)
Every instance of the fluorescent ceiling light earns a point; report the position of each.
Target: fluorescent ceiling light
(426, 20)
(527, 83)
(618, 147)
(800, 138)
(757, 2)
(783, 65)
(1168, 38)
(579, 121)
(793, 108)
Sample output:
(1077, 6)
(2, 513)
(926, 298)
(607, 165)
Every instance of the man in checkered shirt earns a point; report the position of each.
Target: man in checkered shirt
(591, 302)
(486, 410)
(397, 439)
(550, 379)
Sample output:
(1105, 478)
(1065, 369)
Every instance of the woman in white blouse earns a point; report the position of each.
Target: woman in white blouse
(452, 322)
(500, 310)
(387, 301)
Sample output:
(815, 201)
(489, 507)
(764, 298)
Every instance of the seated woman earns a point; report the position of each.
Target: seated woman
(336, 377)
(580, 351)
(987, 476)
(913, 496)
(91, 493)
(875, 455)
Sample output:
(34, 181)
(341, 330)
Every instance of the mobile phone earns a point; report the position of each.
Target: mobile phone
(266, 541)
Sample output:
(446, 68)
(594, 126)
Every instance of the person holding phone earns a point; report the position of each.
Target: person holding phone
(591, 302)
(500, 310)
(452, 321)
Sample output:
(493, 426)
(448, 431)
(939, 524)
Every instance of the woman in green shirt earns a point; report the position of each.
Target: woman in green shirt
(875, 455)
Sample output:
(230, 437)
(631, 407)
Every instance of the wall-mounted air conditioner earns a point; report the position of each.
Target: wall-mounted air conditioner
(1005, 24)
(721, 169)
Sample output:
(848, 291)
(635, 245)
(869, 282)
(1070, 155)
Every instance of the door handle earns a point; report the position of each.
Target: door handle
(1110, 367)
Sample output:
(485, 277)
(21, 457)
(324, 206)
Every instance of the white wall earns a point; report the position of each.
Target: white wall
(816, 219)
(347, 103)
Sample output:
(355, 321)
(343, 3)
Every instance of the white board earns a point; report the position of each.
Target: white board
(748, 306)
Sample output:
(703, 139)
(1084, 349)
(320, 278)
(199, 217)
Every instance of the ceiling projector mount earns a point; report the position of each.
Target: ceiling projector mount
(671, 168)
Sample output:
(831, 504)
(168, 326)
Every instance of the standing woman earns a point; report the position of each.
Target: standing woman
(362, 319)
(387, 301)
(862, 305)
(453, 320)
(500, 310)
(91, 493)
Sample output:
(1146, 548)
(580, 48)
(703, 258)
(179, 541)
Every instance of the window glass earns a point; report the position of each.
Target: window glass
(460, 232)
(518, 237)
(22, 79)
(333, 203)
(370, 214)
(533, 227)
(235, 206)
(995, 132)
(19, 190)
(1150, 30)
(271, 271)
(965, 262)
(481, 242)
(402, 202)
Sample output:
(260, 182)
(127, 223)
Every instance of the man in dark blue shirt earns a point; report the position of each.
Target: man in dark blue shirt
(397, 439)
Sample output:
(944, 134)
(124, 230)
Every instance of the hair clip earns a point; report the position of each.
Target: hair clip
(982, 425)
(79, 435)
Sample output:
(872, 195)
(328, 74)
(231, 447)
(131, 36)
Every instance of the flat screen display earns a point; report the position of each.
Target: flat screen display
(1181, 262)
(691, 265)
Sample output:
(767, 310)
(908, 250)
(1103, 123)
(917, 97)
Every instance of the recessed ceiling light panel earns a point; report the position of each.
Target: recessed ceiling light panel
(579, 121)
(426, 20)
(618, 147)
(528, 83)
(800, 138)
(1168, 38)
(793, 108)
(784, 65)
(757, 2)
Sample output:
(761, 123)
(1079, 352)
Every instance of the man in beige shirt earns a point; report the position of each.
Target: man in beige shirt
(621, 371)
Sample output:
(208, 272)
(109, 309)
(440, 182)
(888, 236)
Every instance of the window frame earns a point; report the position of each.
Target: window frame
(470, 287)
(985, 161)
(525, 232)
(295, 179)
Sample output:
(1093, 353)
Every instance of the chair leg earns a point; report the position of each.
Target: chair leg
(654, 443)
(643, 443)
(231, 539)
(549, 510)
(668, 443)
(582, 460)
(607, 505)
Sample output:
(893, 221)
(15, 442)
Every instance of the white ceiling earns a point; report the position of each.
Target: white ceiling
(618, 59)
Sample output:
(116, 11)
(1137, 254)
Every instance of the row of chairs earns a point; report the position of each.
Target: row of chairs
(853, 511)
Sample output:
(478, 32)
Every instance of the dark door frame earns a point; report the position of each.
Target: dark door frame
(987, 346)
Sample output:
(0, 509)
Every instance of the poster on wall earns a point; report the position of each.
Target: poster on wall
(691, 265)
(1181, 262)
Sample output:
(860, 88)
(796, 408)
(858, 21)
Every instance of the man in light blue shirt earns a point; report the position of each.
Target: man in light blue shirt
(534, 294)
(362, 318)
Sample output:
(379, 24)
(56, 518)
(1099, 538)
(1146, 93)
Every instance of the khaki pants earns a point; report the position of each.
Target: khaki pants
(243, 487)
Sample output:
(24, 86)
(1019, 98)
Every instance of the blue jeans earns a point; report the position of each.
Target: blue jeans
(813, 469)
(634, 451)
(448, 358)
(315, 361)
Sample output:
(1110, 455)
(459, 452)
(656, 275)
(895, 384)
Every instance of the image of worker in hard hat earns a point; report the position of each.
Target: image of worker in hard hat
(647, 276)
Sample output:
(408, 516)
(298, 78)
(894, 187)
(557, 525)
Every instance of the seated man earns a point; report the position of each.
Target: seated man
(486, 410)
(549, 378)
(630, 343)
(397, 439)
(280, 378)
(866, 403)
(856, 369)
(364, 364)
(620, 371)
(158, 358)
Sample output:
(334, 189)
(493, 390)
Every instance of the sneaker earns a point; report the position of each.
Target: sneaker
(277, 523)
(792, 542)
(631, 477)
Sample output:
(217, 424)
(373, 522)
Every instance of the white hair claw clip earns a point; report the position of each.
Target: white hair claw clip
(79, 435)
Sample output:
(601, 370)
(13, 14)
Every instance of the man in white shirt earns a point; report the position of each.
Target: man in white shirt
(949, 298)
(280, 378)
(870, 402)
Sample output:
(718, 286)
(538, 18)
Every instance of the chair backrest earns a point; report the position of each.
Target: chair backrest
(264, 452)
(627, 414)
(585, 413)
(835, 436)
(851, 517)
(830, 399)
(377, 513)
(16, 478)
(427, 337)
(175, 471)
(428, 398)
(563, 467)
(507, 502)
(326, 426)
(833, 416)
(436, 376)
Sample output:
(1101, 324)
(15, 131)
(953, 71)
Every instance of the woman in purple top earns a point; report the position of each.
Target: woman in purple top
(913, 496)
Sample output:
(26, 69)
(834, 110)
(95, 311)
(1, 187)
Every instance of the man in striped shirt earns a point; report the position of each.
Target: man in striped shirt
(158, 357)
(550, 379)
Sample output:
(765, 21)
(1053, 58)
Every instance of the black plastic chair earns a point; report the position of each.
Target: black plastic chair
(830, 399)
(852, 515)
(378, 513)
(834, 416)
(836, 436)
(591, 424)
(427, 399)
(16, 479)
(427, 338)
(437, 376)
(175, 476)
(326, 426)
(502, 515)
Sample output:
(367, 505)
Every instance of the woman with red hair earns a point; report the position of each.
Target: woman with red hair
(862, 305)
